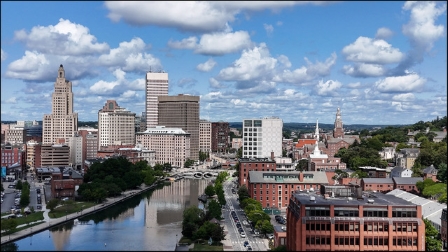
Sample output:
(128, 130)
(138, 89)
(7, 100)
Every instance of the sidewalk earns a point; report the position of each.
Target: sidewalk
(48, 222)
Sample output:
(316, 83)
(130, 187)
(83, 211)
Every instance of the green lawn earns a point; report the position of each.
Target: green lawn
(36, 216)
(206, 247)
(21, 228)
(69, 208)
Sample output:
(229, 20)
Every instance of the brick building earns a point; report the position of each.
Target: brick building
(64, 182)
(253, 164)
(365, 222)
(274, 188)
(388, 184)
(220, 136)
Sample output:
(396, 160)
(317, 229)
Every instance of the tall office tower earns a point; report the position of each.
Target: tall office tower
(220, 136)
(62, 123)
(261, 137)
(182, 111)
(156, 85)
(116, 125)
(205, 136)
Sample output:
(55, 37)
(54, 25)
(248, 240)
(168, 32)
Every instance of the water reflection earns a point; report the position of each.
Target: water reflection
(150, 221)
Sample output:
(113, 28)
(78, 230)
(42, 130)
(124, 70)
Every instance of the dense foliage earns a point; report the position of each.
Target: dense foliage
(116, 175)
(431, 237)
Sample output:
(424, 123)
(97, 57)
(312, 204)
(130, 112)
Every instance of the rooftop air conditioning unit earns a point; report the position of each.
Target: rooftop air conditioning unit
(312, 198)
(370, 201)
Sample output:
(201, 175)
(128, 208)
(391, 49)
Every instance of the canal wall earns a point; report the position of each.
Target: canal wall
(58, 221)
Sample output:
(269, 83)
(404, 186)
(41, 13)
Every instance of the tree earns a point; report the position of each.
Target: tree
(441, 173)
(302, 165)
(19, 185)
(435, 191)
(213, 210)
(188, 163)
(266, 227)
(167, 167)
(52, 204)
(239, 154)
(243, 193)
(193, 218)
(421, 185)
(432, 241)
(9, 225)
(210, 190)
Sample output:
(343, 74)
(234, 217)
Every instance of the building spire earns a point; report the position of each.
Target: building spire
(316, 134)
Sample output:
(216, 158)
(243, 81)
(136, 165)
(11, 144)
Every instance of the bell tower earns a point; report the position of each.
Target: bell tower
(338, 131)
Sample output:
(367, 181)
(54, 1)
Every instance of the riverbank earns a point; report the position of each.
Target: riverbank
(48, 223)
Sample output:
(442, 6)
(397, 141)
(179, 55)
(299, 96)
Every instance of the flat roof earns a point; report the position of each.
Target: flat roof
(318, 177)
(379, 199)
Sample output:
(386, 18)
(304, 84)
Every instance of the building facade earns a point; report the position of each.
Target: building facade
(171, 145)
(15, 135)
(182, 111)
(254, 164)
(89, 142)
(116, 125)
(363, 223)
(261, 137)
(205, 136)
(32, 151)
(62, 123)
(220, 136)
(76, 151)
(55, 155)
(156, 85)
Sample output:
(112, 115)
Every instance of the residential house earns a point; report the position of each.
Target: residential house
(401, 172)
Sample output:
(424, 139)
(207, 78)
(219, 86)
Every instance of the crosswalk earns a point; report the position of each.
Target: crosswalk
(252, 242)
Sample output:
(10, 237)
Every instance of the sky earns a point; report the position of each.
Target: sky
(381, 63)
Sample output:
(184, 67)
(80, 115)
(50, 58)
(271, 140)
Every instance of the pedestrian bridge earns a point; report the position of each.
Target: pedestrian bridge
(198, 174)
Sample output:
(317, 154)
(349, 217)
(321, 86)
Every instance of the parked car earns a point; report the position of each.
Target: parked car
(270, 236)
(243, 235)
(38, 191)
(246, 243)
(249, 248)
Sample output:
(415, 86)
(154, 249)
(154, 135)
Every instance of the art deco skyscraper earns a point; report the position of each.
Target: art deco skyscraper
(62, 123)
(156, 85)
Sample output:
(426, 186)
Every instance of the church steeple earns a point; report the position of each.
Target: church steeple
(338, 131)
(316, 135)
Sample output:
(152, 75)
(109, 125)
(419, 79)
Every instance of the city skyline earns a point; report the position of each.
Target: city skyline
(382, 63)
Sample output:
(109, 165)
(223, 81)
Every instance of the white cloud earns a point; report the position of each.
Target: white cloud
(214, 83)
(65, 38)
(403, 97)
(403, 84)
(195, 16)
(4, 55)
(187, 43)
(354, 85)
(364, 70)
(383, 33)
(104, 87)
(269, 29)
(373, 51)
(11, 100)
(238, 102)
(327, 88)
(253, 64)
(29, 67)
(206, 66)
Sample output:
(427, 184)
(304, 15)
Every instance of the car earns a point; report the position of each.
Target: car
(277, 217)
(232, 212)
(19, 215)
(243, 235)
(240, 230)
(249, 248)
(40, 181)
(246, 243)
(12, 216)
(270, 236)
(238, 225)
(39, 207)
(284, 228)
(38, 190)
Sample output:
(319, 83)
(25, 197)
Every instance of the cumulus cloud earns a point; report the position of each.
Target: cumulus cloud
(193, 16)
(4, 55)
(364, 70)
(403, 97)
(372, 51)
(106, 87)
(187, 43)
(65, 38)
(401, 84)
(206, 66)
(214, 83)
(269, 29)
(383, 33)
(421, 30)
(186, 82)
(329, 87)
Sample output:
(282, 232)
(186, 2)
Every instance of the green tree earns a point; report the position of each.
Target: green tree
(167, 167)
(302, 165)
(441, 173)
(243, 193)
(19, 185)
(279, 248)
(266, 227)
(432, 241)
(435, 191)
(210, 230)
(421, 185)
(239, 154)
(188, 163)
(210, 190)
(213, 210)
(52, 204)
(9, 225)
(193, 218)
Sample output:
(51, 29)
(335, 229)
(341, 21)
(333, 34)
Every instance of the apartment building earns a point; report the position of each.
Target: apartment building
(32, 151)
(171, 145)
(406, 157)
(205, 136)
(220, 136)
(89, 142)
(64, 182)
(261, 137)
(76, 151)
(274, 188)
(431, 173)
(62, 123)
(237, 143)
(254, 164)
(116, 125)
(15, 135)
(365, 222)
(156, 85)
(55, 155)
(13, 156)
(389, 184)
(401, 172)
(181, 111)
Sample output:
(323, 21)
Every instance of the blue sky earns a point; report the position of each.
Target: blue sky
(380, 62)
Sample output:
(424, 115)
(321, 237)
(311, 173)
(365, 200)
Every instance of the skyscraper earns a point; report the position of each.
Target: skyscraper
(182, 111)
(62, 123)
(156, 85)
(262, 136)
(116, 125)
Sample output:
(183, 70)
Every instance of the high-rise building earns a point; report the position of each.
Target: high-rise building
(116, 125)
(76, 151)
(182, 111)
(220, 136)
(55, 155)
(205, 133)
(261, 137)
(156, 85)
(31, 152)
(62, 123)
(89, 142)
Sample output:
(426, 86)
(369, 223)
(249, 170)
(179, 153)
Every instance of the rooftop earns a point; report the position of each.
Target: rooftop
(280, 177)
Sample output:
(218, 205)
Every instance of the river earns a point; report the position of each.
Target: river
(149, 221)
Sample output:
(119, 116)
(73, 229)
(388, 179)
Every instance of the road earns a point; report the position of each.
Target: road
(257, 244)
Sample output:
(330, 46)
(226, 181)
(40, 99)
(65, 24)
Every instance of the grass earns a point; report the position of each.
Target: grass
(69, 208)
(36, 216)
(184, 240)
(21, 228)
(206, 247)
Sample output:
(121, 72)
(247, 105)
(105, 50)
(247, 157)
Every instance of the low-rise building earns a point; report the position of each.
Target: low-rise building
(366, 222)
(65, 182)
(254, 164)
(377, 184)
(431, 173)
(401, 172)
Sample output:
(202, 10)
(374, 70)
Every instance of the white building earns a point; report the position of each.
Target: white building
(400, 172)
(156, 85)
(172, 145)
(76, 143)
(284, 164)
(261, 137)
(62, 123)
(115, 125)
(387, 153)
(205, 136)
(237, 143)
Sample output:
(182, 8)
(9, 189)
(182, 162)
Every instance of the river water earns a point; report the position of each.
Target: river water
(149, 221)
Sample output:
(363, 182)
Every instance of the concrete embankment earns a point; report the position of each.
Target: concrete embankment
(54, 222)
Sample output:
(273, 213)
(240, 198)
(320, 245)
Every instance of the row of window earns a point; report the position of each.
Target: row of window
(370, 241)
